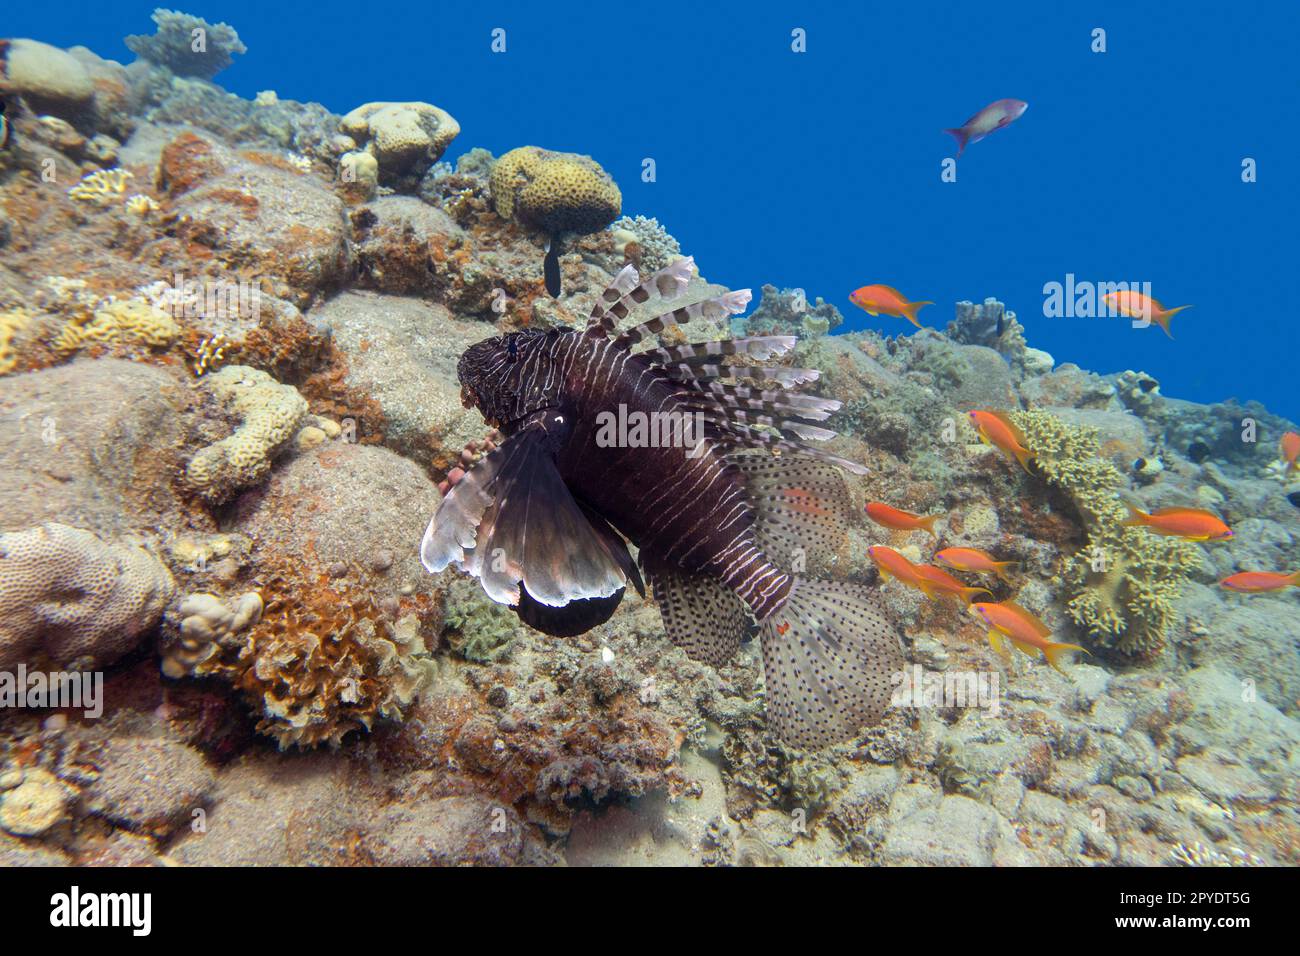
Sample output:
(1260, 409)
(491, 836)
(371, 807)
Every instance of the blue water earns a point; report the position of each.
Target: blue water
(821, 170)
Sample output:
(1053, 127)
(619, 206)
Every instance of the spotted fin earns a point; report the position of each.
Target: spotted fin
(830, 656)
(701, 615)
(803, 509)
(511, 520)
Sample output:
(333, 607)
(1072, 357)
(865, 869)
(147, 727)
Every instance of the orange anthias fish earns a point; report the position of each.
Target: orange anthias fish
(894, 565)
(973, 559)
(1255, 582)
(1291, 451)
(1190, 523)
(993, 117)
(996, 429)
(900, 520)
(884, 300)
(1138, 306)
(943, 584)
(1025, 631)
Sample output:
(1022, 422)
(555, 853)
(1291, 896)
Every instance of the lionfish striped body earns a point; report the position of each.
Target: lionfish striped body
(720, 521)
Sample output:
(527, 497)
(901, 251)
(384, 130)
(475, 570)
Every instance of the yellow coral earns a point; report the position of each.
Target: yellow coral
(141, 205)
(554, 192)
(11, 323)
(102, 187)
(270, 415)
(119, 321)
(1125, 582)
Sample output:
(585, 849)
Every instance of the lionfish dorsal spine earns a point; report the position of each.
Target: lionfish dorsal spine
(625, 293)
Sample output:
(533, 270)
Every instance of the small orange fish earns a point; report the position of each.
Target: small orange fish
(996, 429)
(973, 559)
(885, 300)
(894, 565)
(1190, 523)
(1025, 631)
(1136, 305)
(943, 584)
(1254, 582)
(1291, 451)
(900, 520)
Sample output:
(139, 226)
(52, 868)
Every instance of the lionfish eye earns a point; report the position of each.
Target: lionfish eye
(512, 349)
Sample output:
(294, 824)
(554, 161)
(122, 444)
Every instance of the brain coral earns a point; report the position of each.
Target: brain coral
(316, 665)
(269, 415)
(68, 598)
(1125, 582)
(126, 321)
(554, 192)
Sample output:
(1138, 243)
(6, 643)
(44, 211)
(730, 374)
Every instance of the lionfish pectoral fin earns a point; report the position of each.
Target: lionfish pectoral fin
(453, 529)
(830, 658)
(701, 615)
(533, 535)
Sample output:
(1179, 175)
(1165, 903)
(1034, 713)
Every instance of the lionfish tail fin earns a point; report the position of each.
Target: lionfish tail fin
(830, 660)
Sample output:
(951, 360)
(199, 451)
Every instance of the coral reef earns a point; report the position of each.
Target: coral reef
(1125, 583)
(71, 600)
(188, 45)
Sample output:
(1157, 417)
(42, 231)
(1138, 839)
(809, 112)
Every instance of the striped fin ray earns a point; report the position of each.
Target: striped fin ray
(744, 437)
(733, 303)
(617, 301)
(809, 407)
(783, 377)
(731, 415)
(760, 347)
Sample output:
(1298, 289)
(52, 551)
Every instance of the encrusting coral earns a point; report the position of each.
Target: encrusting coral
(554, 192)
(269, 416)
(70, 599)
(315, 666)
(1124, 583)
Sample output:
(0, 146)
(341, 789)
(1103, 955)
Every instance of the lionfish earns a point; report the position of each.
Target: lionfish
(722, 526)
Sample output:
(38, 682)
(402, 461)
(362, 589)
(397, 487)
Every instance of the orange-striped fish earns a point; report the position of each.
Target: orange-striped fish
(886, 300)
(997, 429)
(1291, 451)
(1255, 582)
(973, 559)
(942, 584)
(1194, 524)
(900, 520)
(893, 565)
(1136, 305)
(1025, 631)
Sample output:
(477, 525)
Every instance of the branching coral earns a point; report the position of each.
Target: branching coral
(101, 187)
(1125, 581)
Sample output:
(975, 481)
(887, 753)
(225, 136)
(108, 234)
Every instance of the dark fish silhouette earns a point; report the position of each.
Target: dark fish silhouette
(6, 131)
(722, 523)
(551, 266)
